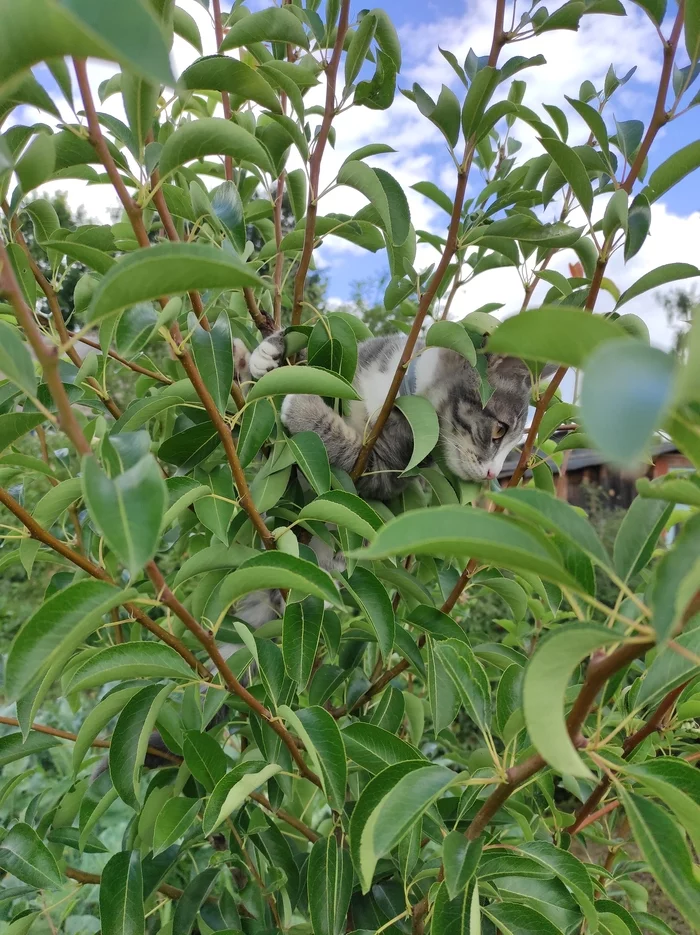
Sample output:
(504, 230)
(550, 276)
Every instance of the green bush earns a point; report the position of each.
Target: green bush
(429, 739)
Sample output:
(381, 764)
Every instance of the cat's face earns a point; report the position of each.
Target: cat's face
(476, 440)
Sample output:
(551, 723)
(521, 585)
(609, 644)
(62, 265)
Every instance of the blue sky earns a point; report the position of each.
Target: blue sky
(458, 25)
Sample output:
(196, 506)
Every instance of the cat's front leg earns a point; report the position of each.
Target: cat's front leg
(268, 355)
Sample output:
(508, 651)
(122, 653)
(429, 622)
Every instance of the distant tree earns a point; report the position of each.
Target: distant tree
(679, 305)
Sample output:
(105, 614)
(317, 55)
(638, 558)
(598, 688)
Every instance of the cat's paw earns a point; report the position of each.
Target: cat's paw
(241, 359)
(266, 356)
(301, 413)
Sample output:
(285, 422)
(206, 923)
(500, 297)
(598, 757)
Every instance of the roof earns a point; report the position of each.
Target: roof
(580, 458)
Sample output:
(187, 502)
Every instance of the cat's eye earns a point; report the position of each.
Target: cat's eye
(499, 430)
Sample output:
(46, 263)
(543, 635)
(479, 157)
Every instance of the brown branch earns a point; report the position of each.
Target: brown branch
(104, 744)
(137, 368)
(225, 99)
(165, 595)
(598, 673)
(80, 876)
(315, 163)
(283, 815)
(584, 815)
(451, 244)
(42, 535)
(658, 121)
(596, 816)
(47, 356)
(134, 214)
(262, 320)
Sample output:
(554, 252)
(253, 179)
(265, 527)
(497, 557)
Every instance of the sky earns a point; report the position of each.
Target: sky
(458, 25)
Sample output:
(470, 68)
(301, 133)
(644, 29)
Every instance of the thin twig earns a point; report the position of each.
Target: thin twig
(451, 245)
(315, 163)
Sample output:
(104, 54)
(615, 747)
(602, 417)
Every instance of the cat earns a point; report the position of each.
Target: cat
(475, 440)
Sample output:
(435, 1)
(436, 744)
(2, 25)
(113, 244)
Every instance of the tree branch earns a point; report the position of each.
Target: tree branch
(498, 40)
(584, 815)
(103, 744)
(42, 535)
(315, 163)
(134, 214)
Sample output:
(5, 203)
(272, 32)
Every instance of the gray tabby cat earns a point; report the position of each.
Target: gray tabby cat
(475, 440)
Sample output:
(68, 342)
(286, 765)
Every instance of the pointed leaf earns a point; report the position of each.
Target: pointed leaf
(547, 677)
(121, 895)
(211, 136)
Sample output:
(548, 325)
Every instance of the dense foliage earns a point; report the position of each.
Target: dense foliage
(384, 758)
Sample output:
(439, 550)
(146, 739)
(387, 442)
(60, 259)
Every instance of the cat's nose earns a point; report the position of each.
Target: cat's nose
(490, 475)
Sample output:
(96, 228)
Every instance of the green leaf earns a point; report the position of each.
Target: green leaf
(231, 792)
(126, 33)
(37, 163)
(311, 456)
(393, 816)
(279, 570)
(121, 895)
(166, 268)
(325, 744)
(453, 336)
(343, 509)
(130, 739)
(639, 221)
(555, 334)
(97, 719)
(15, 360)
(443, 693)
(677, 784)
(676, 579)
(56, 630)
(213, 558)
(517, 918)
(213, 354)
(189, 904)
(44, 218)
(374, 748)
(456, 659)
(257, 423)
(637, 536)
(228, 208)
(14, 425)
(25, 856)
(15, 747)
(128, 511)
(186, 27)
(555, 515)
(204, 758)
(188, 448)
(359, 47)
(460, 858)
(572, 169)
(569, 870)
(330, 880)
(477, 99)
(616, 213)
(311, 380)
(301, 631)
(665, 852)
(547, 677)
(212, 136)
(458, 916)
(375, 604)
(669, 272)
(129, 661)
(140, 101)
(384, 194)
(669, 670)
(423, 420)
(691, 28)
(436, 195)
(463, 531)
(273, 24)
(173, 821)
(135, 329)
(672, 170)
(221, 73)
